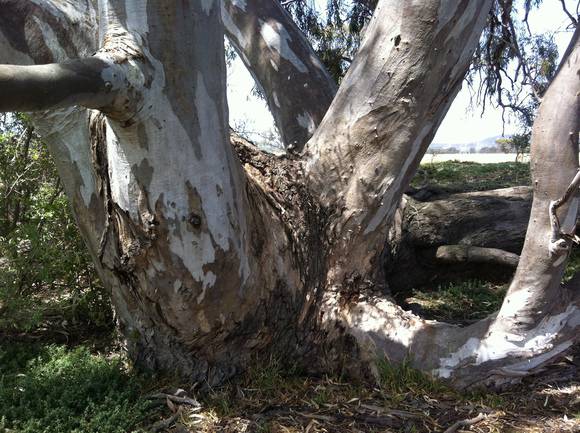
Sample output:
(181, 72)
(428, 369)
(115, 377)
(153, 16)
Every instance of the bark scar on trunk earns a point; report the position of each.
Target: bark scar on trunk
(564, 234)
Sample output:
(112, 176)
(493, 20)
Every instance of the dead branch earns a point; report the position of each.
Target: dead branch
(175, 399)
(471, 254)
(466, 423)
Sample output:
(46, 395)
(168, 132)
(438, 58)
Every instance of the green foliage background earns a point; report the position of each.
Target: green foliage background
(45, 269)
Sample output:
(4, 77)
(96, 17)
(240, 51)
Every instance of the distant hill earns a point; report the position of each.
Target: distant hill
(473, 147)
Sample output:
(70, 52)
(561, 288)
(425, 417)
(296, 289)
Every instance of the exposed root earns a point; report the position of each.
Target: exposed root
(489, 352)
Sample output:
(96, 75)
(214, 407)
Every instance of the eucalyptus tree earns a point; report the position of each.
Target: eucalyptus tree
(216, 252)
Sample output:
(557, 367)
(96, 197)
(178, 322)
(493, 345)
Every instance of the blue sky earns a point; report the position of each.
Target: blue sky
(463, 123)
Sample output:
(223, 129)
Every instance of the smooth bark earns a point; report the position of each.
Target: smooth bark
(408, 70)
(92, 83)
(539, 319)
(48, 31)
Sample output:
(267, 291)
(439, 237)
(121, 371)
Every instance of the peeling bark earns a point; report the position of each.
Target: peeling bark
(183, 250)
(539, 319)
(177, 232)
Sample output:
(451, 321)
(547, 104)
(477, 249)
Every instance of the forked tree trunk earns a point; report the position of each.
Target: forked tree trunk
(214, 258)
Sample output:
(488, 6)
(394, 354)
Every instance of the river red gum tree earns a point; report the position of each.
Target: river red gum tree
(216, 252)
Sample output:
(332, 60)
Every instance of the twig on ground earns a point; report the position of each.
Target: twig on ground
(175, 399)
(165, 423)
(465, 423)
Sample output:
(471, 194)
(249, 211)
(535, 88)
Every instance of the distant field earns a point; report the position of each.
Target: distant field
(483, 158)
(462, 176)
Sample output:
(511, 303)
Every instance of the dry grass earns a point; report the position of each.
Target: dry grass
(271, 400)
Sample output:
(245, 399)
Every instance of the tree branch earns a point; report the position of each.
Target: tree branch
(567, 12)
(465, 423)
(471, 254)
(91, 82)
(409, 68)
(560, 235)
(296, 85)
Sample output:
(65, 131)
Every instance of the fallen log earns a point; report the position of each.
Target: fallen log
(442, 236)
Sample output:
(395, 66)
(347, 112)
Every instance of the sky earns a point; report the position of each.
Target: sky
(463, 124)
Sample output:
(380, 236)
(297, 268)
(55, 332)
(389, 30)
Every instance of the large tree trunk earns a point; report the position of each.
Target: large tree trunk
(213, 258)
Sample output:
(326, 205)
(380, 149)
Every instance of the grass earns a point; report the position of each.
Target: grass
(469, 300)
(271, 399)
(397, 379)
(54, 389)
(573, 264)
(472, 176)
(458, 301)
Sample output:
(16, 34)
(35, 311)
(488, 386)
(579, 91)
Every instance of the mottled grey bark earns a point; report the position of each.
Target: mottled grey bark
(539, 319)
(214, 258)
(294, 81)
(47, 31)
(175, 229)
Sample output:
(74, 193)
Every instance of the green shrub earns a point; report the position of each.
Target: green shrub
(45, 268)
(52, 389)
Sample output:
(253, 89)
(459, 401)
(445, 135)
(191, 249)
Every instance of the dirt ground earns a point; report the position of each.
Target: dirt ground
(405, 402)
